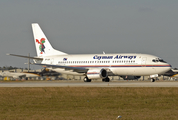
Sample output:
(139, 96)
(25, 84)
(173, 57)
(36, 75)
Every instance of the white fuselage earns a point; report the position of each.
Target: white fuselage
(117, 64)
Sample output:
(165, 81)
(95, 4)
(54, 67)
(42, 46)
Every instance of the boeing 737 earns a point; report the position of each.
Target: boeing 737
(95, 66)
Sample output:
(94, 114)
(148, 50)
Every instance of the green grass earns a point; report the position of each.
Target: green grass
(88, 103)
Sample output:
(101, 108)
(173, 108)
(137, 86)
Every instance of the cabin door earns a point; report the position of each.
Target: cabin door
(144, 62)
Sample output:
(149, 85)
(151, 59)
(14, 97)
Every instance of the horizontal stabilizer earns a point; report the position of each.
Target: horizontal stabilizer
(37, 58)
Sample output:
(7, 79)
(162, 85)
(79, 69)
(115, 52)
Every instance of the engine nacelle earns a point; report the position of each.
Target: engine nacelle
(97, 74)
(129, 77)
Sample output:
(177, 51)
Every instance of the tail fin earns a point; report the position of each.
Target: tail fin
(43, 47)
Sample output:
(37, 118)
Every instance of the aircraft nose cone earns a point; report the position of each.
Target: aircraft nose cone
(169, 66)
(166, 67)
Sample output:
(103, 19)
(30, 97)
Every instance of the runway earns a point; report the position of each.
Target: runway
(84, 84)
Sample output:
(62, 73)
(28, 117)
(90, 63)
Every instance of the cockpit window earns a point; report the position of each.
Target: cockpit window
(158, 60)
(161, 60)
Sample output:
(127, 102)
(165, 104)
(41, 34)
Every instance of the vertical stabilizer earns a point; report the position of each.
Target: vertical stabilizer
(43, 47)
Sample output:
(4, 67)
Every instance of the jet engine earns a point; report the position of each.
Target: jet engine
(97, 74)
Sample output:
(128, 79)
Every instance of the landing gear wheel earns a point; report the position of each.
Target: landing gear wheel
(152, 80)
(86, 79)
(106, 80)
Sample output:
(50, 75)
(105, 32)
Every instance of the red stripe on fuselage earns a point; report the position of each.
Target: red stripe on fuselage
(121, 66)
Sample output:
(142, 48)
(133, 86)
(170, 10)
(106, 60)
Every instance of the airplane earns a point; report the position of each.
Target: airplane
(17, 75)
(21, 75)
(95, 66)
(173, 73)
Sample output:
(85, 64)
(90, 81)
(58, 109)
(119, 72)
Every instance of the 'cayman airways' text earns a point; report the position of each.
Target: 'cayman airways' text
(115, 57)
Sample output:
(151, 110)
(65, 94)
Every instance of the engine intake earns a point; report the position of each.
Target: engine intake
(97, 74)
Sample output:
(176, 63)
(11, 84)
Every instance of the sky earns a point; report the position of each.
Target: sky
(90, 27)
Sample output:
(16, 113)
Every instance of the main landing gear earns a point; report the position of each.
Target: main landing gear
(86, 79)
(152, 80)
(89, 80)
(106, 79)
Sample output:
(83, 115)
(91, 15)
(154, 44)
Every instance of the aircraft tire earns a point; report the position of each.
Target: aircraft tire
(86, 79)
(152, 80)
(106, 80)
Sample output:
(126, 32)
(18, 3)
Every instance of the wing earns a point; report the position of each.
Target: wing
(75, 69)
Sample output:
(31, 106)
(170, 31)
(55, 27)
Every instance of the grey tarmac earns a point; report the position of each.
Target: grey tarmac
(65, 83)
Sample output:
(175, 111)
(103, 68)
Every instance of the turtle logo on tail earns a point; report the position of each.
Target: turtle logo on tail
(41, 47)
